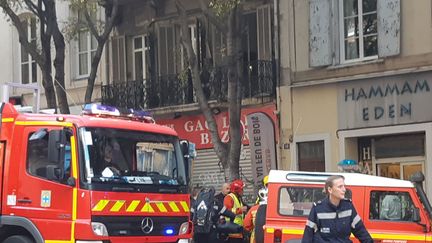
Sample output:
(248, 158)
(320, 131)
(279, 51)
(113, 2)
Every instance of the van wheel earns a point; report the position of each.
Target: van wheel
(18, 239)
(259, 223)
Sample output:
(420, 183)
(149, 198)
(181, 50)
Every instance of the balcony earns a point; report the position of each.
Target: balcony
(177, 90)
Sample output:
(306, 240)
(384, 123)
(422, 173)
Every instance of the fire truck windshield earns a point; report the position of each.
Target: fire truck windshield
(135, 160)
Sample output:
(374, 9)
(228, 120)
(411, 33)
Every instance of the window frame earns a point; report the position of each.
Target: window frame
(360, 15)
(317, 188)
(89, 53)
(30, 61)
(145, 49)
(382, 194)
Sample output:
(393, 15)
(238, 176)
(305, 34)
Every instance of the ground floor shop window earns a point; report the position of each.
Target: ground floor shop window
(311, 156)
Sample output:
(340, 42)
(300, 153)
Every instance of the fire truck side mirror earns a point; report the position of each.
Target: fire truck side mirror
(56, 150)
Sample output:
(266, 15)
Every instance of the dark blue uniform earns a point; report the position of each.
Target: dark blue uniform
(328, 223)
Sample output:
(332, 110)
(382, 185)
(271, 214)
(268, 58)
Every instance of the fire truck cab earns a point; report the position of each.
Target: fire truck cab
(292, 193)
(101, 177)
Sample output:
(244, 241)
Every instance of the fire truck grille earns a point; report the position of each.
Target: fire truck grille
(141, 226)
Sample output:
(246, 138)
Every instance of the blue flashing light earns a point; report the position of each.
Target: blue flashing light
(97, 109)
(110, 111)
(347, 162)
(168, 231)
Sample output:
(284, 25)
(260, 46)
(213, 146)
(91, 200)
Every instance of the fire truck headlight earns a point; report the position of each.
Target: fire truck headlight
(184, 228)
(99, 229)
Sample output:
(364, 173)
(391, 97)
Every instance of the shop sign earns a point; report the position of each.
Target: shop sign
(195, 129)
(385, 101)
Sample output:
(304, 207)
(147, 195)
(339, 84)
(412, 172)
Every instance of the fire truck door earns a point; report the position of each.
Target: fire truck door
(45, 199)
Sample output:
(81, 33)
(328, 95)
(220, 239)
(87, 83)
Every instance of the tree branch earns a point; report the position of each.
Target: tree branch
(22, 33)
(33, 8)
(220, 147)
(212, 17)
(90, 24)
(111, 19)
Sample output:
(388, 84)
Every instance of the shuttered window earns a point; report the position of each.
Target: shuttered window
(118, 60)
(264, 29)
(167, 50)
(352, 30)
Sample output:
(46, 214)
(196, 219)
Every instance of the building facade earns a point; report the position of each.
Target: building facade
(356, 86)
(150, 71)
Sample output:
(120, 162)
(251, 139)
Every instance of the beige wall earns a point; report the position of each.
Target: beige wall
(308, 96)
(314, 116)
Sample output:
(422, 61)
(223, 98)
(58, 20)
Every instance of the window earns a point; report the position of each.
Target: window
(140, 57)
(87, 45)
(311, 156)
(359, 29)
(167, 51)
(298, 201)
(390, 205)
(28, 64)
(352, 31)
(38, 163)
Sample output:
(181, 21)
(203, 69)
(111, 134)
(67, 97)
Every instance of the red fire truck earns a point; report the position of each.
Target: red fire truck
(100, 177)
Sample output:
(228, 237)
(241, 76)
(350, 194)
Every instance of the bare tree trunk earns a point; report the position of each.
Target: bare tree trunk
(43, 59)
(220, 148)
(112, 8)
(228, 154)
(59, 64)
(234, 93)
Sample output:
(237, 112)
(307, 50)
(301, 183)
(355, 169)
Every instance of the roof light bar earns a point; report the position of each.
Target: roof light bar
(100, 110)
(110, 111)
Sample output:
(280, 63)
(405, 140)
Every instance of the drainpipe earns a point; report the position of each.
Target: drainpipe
(276, 43)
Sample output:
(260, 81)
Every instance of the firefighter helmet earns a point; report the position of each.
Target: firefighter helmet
(237, 186)
(265, 180)
(262, 195)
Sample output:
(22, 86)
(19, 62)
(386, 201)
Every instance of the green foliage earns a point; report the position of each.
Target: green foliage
(77, 23)
(222, 7)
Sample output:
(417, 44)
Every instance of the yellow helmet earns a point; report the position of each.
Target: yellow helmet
(265, 180)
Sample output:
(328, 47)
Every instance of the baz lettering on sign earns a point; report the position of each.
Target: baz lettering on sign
(383, 91)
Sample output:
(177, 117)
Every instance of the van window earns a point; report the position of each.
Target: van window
(298, 201)
(390, 205)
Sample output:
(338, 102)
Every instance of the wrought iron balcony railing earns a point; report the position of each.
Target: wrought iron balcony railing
(259, 81)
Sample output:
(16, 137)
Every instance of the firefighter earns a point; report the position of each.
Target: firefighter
(250, 218)
(264, 182)
(334, 218)
(233, 202)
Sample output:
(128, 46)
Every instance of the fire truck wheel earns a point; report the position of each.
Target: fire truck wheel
(18, 239)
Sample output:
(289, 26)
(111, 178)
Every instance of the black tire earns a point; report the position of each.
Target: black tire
(260, 219)
(18, 239)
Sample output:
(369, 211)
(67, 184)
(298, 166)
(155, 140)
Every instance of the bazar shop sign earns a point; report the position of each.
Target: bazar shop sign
(195, 128)
(385, 101)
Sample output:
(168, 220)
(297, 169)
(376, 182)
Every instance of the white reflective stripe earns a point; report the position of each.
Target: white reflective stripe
(355, 221)
(222, 210)
(312, 225)
(326, 215)
(192, 210)
(346, 213)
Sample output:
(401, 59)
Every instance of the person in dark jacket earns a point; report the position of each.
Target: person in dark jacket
(334, 218)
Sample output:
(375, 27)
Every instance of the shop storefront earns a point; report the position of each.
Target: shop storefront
(206, 169)
(385, 125)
